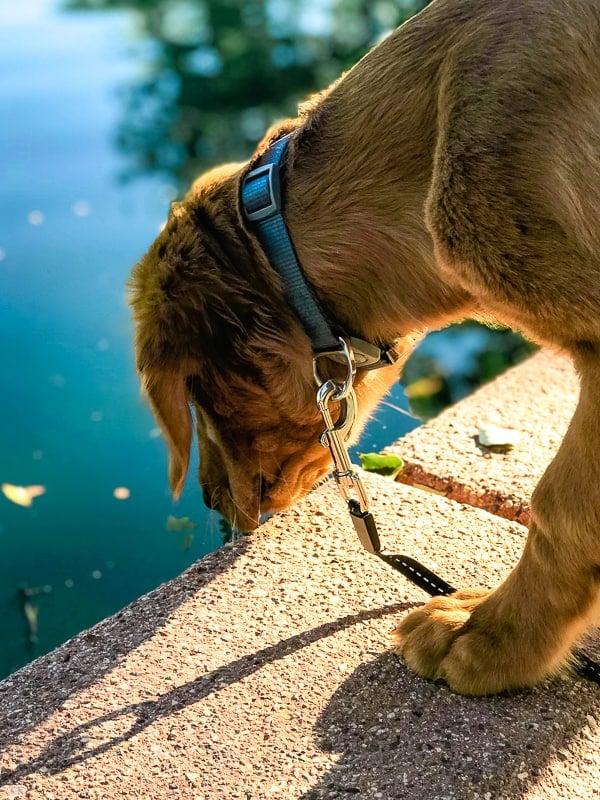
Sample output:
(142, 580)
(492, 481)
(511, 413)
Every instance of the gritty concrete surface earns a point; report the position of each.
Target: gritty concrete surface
(264, 671)
(536, 400)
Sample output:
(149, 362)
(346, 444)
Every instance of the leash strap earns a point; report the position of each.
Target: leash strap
(585, 666)
(418, 574)
(365, 527)
(431, 583)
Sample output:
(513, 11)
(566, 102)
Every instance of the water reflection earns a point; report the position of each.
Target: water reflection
(214, 75)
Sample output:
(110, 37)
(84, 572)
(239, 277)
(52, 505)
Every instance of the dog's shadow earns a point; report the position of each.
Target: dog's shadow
(71, 747)
(402, 737)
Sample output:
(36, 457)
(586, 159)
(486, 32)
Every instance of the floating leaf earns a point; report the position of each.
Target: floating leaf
(180, 524)
(22, 495)
(495, 436)
(387, 465)
(31, 615)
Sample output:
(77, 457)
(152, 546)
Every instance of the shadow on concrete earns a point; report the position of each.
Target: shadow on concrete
(403, 737)
(84, 659)
(71, 748)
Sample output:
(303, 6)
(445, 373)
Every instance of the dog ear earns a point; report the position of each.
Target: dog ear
(166, 392)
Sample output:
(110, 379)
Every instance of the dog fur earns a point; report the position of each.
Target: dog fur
(453, 172)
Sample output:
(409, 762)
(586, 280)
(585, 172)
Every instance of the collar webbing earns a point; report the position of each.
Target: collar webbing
(262, 206)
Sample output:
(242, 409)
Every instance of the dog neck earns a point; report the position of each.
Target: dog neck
(357, 178)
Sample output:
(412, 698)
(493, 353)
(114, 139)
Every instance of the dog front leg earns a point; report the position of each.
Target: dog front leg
(486, 642)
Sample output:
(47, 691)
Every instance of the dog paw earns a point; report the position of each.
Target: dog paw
(474, 654)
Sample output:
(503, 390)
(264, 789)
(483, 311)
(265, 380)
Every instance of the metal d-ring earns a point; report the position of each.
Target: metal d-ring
(344, 354)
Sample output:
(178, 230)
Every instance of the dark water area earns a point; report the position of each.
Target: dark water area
(101, 128)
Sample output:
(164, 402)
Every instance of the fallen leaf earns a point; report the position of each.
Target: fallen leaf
(22, 495)
(495, 436)
(424, 387)
(31, 615)
(388, 465)
(179, 524)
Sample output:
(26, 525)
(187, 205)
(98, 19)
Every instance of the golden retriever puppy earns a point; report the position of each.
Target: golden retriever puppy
(454, 171)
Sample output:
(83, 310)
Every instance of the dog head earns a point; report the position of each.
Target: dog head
(214, 332)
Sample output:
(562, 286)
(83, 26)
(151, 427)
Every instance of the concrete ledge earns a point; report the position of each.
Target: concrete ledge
(264, 672)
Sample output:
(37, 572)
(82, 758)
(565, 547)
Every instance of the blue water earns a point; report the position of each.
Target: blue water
(71, 417)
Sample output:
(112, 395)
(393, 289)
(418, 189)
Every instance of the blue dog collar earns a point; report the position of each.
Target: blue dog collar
(262, 206)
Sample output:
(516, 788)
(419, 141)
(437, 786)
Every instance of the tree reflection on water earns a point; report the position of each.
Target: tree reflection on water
(216, 73)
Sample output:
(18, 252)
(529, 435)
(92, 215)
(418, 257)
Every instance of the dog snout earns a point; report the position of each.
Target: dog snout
(243, 517)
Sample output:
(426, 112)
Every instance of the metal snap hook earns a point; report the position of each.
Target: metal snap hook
(343, 427)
